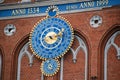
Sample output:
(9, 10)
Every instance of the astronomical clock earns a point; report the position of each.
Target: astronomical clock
(50, 39)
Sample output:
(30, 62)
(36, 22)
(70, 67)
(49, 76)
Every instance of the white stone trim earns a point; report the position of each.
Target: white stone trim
(39, 3)
(44, 14)
(42, 77)
(82, 46)
(24, 51)
(61, 68)
(0, 66)
(108, 45)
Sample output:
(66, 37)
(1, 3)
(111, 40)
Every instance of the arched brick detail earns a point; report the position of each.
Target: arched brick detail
(15, 55)
(25, 39)
(2, 63)
(101, 49)
(86, 41)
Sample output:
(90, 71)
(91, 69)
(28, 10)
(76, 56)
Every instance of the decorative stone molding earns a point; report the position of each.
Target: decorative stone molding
(96, 21)
(110, 42)
(24, 51)
(82, 46)
(0, 66)
(9, 29)
(25, 1)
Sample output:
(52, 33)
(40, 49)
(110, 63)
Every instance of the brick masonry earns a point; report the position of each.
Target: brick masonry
(95, 39)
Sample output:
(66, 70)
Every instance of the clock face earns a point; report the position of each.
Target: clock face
(51, 38)
(50, 67)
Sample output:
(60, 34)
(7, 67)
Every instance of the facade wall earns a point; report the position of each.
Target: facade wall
(113, 63)
(16, 1)
(95, 39)
(108, 48)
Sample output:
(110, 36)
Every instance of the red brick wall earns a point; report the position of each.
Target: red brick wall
(74, 71)
(30, 73)
(113, 65)
(80, 23)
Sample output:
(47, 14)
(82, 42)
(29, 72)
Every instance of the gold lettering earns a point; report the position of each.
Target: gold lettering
(18, 12)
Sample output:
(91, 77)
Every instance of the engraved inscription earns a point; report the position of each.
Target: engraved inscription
(34, 10)
(102, 3)
(87, 4)
(18, 12)
(69, 7)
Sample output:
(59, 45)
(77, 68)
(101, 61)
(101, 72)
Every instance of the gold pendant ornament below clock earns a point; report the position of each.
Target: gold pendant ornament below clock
(50, 39)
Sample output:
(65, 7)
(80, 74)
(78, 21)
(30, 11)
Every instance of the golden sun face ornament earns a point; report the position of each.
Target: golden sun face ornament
(50, 39)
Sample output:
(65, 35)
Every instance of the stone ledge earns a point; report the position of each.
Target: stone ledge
(38, 3)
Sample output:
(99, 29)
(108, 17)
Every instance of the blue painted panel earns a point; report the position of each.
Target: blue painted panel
(41, 10)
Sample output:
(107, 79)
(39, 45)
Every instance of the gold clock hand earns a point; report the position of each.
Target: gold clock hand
(60, 33)
(52, 37)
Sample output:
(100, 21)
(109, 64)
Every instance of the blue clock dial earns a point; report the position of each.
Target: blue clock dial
(52, 11)
(51, 38)
(50, 67)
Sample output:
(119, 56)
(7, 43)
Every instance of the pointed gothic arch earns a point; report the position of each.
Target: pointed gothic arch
(15, 54)
(22, 54)
(24, 51)
(1, 64)
(22, 45)
(106, 42)
(82, 49)
(85, 46)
